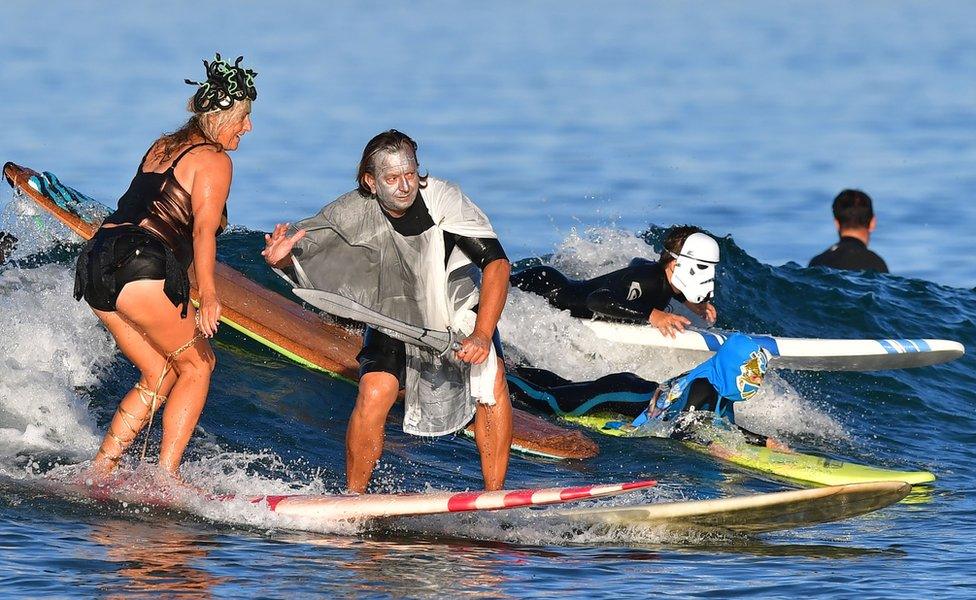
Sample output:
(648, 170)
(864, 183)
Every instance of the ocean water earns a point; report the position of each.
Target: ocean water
(582, 130)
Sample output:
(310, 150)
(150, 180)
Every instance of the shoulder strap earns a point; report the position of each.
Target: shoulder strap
(182, 154)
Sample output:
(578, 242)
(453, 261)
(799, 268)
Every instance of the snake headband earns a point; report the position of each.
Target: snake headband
(226, 83)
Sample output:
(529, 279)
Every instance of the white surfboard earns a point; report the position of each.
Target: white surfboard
(794, 353)
(372, 506)
(751, 514)
(333, 507)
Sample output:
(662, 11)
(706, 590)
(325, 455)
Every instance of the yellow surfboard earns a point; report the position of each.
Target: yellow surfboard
(801, 468)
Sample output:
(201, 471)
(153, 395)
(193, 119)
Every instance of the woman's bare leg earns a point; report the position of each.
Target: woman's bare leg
(144, 304)
(133, 411)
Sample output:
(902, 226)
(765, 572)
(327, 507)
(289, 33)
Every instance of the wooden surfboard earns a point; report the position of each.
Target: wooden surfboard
(301, 335)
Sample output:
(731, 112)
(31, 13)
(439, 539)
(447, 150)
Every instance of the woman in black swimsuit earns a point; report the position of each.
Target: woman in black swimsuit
(134, 271)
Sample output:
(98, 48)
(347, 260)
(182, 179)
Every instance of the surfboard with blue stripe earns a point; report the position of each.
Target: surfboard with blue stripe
(792, 353)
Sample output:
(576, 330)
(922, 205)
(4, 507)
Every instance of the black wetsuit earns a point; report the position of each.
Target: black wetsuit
(850, 254)
(624, 394)
(380, 352)
(628, 294)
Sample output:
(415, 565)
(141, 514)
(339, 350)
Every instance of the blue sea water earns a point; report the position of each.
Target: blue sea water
(577, 127)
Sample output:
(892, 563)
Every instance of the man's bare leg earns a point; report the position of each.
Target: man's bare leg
(493, 433)
(367, 424)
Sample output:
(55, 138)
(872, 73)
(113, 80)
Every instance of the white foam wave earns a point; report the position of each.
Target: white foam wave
(53, 348)
(779, 410)
(598, 250)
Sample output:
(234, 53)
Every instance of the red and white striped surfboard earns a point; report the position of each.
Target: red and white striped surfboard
(122, 488)
(371, 506)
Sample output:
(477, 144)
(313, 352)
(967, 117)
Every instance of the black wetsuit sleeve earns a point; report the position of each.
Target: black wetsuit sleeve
(604, 302)
(632, 293)
(754, 439)
(481, 251)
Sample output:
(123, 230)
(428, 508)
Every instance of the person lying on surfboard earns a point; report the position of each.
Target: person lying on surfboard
(134, 271)
(640, 292)
(417, 249)
(705, 395)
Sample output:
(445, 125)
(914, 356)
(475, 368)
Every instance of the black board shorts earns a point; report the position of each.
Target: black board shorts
(383, 354)
(119, 255)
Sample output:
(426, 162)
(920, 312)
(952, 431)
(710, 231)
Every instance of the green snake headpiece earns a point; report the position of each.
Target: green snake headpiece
(226, 83)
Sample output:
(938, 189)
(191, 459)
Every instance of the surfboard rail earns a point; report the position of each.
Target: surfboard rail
(759, 513)
(371, 506)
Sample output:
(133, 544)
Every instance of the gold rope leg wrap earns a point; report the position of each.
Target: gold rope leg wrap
(146, 397)
(155, 395)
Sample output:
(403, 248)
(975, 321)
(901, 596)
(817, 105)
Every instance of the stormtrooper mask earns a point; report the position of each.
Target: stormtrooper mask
(694, 267)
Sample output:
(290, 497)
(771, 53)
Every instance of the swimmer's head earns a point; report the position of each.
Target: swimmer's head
(225, 127)
(388, 171)
(695, 255)
(853, 210)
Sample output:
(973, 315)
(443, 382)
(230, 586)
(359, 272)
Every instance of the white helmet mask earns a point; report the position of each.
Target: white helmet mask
(694, 267)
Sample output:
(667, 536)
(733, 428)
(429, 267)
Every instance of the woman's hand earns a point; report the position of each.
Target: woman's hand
(474, 348)
(668, 323)
(278, 246)
(209, 312)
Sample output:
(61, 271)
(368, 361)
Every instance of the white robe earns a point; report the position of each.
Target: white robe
(352, 249)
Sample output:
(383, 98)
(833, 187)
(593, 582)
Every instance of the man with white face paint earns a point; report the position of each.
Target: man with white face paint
(642, 291)
(413, 248)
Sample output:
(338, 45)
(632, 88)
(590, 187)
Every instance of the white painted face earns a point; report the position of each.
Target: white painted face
(396, 181)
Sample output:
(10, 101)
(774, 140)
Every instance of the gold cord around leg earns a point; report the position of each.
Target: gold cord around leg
(154, 395)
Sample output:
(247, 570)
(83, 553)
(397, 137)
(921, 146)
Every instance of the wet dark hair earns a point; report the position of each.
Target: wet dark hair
(388, 141)
(675, 239)
(852, 209)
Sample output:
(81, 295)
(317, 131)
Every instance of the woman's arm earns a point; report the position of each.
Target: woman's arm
(211, 184)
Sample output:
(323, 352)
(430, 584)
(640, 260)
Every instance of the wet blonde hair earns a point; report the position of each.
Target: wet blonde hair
(206, 125)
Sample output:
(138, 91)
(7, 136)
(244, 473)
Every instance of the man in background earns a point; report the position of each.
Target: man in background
(855, 221)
